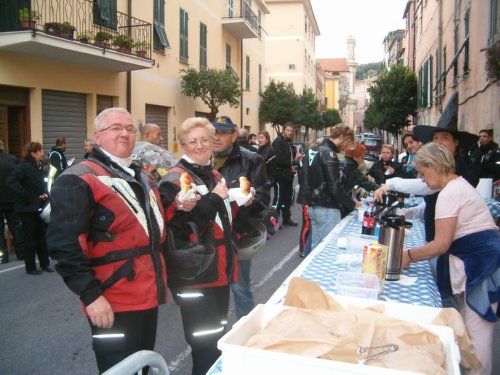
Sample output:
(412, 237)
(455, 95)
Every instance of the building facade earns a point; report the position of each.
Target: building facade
(452, 40)
(53, 82)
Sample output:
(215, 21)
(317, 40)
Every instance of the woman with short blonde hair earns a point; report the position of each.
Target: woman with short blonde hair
(467, 244)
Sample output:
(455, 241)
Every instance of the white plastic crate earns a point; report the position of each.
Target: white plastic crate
(242, 360)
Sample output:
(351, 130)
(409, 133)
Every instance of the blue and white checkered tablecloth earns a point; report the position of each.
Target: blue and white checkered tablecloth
(321, 266)
(494, 207)
(324, 266)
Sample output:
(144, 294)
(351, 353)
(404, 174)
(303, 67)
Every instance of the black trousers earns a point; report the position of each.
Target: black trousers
(33, 229)
(204, 318)
(139, 329)
(14, 224)
(282, 200)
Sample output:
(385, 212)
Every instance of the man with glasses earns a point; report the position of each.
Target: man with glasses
(106, 232)
(233, 161)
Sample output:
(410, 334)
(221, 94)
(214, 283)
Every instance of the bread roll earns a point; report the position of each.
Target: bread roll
(185, 183)
(245, 185)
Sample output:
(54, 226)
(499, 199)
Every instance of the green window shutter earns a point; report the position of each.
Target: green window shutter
(183, 35)
(430, 82)
(203, 45)
(228, 56)
(160, 39)
(105, 13)
(425, 84)
(247, 75)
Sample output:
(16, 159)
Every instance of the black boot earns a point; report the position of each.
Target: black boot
(4, 256)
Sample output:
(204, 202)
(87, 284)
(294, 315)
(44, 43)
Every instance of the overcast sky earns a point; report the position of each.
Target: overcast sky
(368, 21)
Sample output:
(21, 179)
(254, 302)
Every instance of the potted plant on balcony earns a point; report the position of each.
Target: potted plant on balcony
(123, 43)
(85, 36)
(141, 48)
(61, 29)
(102, 39)
(28, 18)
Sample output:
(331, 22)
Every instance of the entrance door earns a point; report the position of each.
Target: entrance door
(156, 114)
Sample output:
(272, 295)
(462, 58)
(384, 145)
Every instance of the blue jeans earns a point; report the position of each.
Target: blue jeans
(323, 220)
(243, 297)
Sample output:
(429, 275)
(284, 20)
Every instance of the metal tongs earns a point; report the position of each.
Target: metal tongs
(389, 348)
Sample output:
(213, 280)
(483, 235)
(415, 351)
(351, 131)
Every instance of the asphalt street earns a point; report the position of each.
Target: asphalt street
(43, 330)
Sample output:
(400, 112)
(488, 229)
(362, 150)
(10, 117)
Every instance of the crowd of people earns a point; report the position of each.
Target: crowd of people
(131, 220)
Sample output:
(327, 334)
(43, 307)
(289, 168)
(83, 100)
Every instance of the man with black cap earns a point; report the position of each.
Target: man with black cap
(233, 161)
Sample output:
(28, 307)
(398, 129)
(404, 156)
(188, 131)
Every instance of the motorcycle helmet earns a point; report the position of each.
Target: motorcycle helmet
(249, 244)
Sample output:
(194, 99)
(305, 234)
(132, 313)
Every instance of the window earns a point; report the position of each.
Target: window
(203, 45)
(260, 79)
(466, 40)
(494, 21)
(259, 21)
(183, 36)
(228, 56)
(105, 13)
(160, 41)
(230, 8)
(247, 75)
(429, 89)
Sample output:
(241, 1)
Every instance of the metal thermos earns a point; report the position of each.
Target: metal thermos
(392, 234)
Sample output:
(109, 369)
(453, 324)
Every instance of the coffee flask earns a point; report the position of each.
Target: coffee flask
(392, 234)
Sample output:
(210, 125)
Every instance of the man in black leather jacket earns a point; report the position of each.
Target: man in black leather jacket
(322, 190)
(233, 161)
(285, 171)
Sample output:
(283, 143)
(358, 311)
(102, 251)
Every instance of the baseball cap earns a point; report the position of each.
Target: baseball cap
(224, 123)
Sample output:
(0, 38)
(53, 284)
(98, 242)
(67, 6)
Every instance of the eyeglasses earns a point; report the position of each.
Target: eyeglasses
(131, 129)
(195, 141)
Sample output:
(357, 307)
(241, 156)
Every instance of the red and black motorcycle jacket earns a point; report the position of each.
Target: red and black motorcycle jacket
(211, 213)
(106, 232)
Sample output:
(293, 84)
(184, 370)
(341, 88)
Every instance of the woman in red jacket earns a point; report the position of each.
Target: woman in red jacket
(202, 289)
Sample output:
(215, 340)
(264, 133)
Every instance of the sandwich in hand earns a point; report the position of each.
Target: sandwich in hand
(245, 185)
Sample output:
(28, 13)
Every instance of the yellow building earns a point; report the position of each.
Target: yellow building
(52, 84)
(291, 29)
(450, 41)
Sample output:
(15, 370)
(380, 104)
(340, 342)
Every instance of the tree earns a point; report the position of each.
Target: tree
(331, 117)
(214, 87)
(393, 99)
(307, 111)
(278, 104)
(365, 71)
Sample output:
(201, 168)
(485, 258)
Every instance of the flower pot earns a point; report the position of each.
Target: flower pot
(84, 40)
(141, 53)
(124, 49)
(28, 24)
(103, 45)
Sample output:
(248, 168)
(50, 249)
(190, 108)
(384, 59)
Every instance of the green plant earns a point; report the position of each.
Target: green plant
(58, 28)
(122, 41)
(142, 45)
(26, 14)
(85, 35)
(102, 36)
(492, 66)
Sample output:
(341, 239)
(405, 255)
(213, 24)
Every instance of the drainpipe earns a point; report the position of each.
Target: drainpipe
(129, 74)
(440, 49)
(241, 83)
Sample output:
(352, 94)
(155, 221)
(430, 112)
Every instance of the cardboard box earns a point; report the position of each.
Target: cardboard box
(242, 360)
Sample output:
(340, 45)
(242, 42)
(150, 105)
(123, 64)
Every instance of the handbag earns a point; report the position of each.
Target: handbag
(191, 262)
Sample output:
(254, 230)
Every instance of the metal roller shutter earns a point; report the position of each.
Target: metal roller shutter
(156, 114)
(64, 114)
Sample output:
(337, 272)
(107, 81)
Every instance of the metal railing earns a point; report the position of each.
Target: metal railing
(135, 362)
(242, 9)
(72, 19)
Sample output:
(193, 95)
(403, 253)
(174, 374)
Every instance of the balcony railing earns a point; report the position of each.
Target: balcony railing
(81, 20)
(241, 10)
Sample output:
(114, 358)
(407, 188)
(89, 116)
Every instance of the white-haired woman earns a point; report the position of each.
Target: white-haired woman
(468, 245)
(203, 296)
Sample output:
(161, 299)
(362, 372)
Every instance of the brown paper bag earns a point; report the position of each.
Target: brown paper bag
(316, 325)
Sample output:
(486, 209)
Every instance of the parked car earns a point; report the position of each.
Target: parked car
(373, 146)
